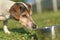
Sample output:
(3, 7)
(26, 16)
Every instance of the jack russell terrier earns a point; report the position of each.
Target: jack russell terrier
(20, 11)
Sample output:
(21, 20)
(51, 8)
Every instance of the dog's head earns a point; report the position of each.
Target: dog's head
(22, 12)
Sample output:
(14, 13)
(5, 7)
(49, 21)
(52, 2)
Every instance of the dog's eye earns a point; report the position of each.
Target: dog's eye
(22, 9)
(24, 16)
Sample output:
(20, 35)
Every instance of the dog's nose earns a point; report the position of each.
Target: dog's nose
(33, 26)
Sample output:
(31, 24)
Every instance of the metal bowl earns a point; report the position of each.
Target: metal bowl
(48, 33)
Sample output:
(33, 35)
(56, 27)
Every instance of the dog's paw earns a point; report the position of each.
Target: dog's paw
(8, 32)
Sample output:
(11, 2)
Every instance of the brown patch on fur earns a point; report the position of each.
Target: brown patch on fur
(15, 11)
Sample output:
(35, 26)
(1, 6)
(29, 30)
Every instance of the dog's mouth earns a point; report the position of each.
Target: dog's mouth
(31, 26)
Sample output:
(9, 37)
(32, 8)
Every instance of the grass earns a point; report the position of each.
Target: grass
(47, 18)
(19, 32)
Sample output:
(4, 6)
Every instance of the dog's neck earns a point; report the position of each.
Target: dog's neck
(7, 4)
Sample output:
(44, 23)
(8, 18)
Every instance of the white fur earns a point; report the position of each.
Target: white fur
(5, 5)
(2, 18)
(6, 29)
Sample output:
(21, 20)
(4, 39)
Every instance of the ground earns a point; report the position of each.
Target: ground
(19, 32)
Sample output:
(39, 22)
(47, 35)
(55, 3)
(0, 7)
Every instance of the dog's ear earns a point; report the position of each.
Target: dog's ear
(15, 11)
(30, 7)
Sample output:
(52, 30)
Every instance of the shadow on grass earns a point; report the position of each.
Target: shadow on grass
(23, 31)
(1, 29)
(20, 30)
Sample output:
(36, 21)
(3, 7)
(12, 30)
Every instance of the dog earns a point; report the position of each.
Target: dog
(19, 11)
